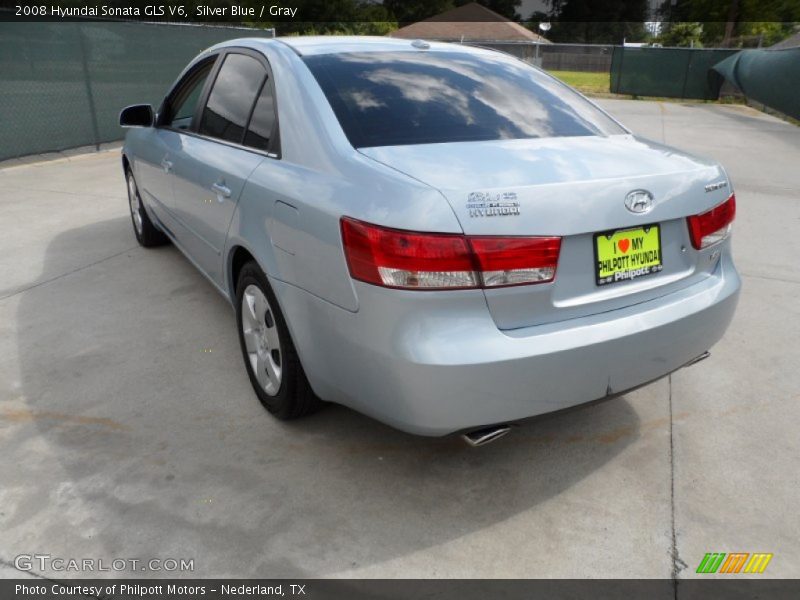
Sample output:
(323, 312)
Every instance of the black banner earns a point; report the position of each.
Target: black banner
(317, 589)
(400, 12)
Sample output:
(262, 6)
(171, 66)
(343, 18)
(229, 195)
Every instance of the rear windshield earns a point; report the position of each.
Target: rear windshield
(398, 98)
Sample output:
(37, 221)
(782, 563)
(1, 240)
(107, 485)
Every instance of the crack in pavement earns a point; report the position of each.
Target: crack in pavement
(23, 162)
(768, 277)
(22, 188)
(9, 564)
(68, 273)
(35, 575)
(662, 111)
(678, 564)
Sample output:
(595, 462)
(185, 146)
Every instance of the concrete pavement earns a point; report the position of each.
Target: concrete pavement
(129, 430)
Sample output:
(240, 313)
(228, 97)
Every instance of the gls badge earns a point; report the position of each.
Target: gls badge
(495, 204)
(639, 201)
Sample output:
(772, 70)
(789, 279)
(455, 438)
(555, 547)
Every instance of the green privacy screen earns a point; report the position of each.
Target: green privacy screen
(667, 72)
(62, 85)
(771, 77)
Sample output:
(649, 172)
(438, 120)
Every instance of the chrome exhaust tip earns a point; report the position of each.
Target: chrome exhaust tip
(697, 359)
(481, 437)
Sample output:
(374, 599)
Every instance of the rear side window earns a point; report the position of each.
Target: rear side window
(396, 98)
(262, 124)
(231, 99)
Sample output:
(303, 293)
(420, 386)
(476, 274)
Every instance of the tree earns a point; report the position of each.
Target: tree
(735, 22)
(411, 11)
(507, 8)
(598, 21)
(685, 34)
(343, 17)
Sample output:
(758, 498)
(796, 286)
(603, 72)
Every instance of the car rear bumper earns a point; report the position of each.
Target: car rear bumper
(435, 363)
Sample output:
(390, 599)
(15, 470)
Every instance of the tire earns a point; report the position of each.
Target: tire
(270, 358)
(146, 233)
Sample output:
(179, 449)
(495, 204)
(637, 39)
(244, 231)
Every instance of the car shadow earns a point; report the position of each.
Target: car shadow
(137, 435)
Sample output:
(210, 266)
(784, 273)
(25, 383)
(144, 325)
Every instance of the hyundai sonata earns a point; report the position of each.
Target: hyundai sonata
(442, 237)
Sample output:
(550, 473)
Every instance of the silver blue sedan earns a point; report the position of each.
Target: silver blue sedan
(442, 237)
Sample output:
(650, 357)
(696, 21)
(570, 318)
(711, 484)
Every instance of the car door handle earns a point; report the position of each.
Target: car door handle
(166, 165)
(221, 190)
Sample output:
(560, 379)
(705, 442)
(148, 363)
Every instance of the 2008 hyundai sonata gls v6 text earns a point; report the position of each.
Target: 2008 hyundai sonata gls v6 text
(442, 237)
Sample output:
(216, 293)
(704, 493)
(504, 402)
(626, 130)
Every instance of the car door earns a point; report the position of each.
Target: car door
(215, 162)
(156, 157)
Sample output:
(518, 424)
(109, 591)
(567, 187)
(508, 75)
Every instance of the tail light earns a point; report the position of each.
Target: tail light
(515, 260)
(430, 261)
(712, 226)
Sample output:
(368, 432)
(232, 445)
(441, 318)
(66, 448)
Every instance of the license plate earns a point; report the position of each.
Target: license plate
(627, 254)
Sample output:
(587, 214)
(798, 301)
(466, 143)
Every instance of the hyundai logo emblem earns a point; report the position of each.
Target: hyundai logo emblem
(639, 201)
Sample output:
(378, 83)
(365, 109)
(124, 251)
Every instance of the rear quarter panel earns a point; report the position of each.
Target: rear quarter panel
(289, 213)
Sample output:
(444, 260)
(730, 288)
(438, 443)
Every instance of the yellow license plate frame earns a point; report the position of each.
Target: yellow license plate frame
(627, 254)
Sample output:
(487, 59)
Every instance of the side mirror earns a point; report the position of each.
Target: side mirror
(138, 115)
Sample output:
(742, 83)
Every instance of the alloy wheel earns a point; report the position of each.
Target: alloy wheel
(261, 339)
(135, 205)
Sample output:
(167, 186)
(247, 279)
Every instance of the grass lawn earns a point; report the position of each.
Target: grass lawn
(592, 83)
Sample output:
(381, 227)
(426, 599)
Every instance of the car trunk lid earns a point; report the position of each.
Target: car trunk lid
(574, 188)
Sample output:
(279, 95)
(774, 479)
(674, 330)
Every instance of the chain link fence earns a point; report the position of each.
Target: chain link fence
(62, 85)
(592, 58)
(636, 71)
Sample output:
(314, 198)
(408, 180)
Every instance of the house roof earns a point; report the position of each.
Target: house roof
(471, 22)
